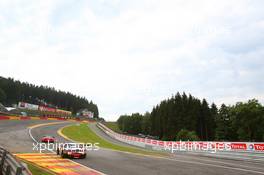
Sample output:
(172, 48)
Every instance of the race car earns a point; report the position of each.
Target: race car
(72, 150)
(46, 139)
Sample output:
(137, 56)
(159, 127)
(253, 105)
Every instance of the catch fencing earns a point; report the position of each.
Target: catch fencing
(9, 165)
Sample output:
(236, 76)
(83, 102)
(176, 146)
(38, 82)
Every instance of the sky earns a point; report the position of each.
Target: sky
(128, 55)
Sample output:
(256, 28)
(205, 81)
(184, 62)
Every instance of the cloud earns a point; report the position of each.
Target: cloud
(128, 55)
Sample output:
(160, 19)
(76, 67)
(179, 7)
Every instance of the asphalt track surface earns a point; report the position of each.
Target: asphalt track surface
(14, 136)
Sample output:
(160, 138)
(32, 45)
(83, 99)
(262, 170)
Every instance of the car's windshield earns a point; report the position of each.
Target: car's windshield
(72, 145)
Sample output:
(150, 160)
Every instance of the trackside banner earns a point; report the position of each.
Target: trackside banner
(186, 145)
(29, 106)
(48, 109)
(23, 105)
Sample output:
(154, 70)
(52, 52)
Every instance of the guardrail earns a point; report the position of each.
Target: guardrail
(197, 146)
(9, 165)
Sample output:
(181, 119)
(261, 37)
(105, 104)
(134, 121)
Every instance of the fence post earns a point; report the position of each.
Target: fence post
(19, 171)
(8, 170)
(2, 162)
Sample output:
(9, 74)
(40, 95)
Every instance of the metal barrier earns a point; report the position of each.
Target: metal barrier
(9, 165)
(198, 146)
(253, 151)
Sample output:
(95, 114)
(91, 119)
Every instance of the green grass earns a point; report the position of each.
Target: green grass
(113, 126)
(82, 133)
(36, 170)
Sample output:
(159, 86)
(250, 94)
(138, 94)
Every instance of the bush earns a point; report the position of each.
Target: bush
(186, 135)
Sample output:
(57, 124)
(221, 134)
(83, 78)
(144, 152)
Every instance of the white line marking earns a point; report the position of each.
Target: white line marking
(233, 157)
(216, 161)
(218, 166)
(207, 164)
(30, 134)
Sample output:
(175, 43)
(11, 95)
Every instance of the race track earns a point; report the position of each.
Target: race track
(15, 137)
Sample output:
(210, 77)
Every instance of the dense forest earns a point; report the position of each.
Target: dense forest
(12, 91)
(185, 117)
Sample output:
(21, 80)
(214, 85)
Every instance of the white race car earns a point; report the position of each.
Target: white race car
(72, 150)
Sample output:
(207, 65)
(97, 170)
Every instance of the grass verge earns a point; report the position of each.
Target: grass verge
(35, 170)
(113, 126)
(84, 134)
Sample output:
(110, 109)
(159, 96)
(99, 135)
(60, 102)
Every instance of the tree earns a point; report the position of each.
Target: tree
(249, 120)
(223, 124)
(185, 135)
(120, 122)
(146, 123)
(2, 96)
(185, 116)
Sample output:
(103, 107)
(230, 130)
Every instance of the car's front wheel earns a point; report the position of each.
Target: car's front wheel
(63, 155)
(84, 156)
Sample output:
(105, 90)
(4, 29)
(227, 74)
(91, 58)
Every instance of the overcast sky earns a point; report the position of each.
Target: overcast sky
(128, 55)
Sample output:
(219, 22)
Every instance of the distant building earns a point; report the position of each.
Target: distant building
(85, 113)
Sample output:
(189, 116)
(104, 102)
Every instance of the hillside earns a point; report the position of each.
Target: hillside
(13, 91)
(185, 117)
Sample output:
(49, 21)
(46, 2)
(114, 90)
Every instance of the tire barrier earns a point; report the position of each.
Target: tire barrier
(9, 165)
(195, 146)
